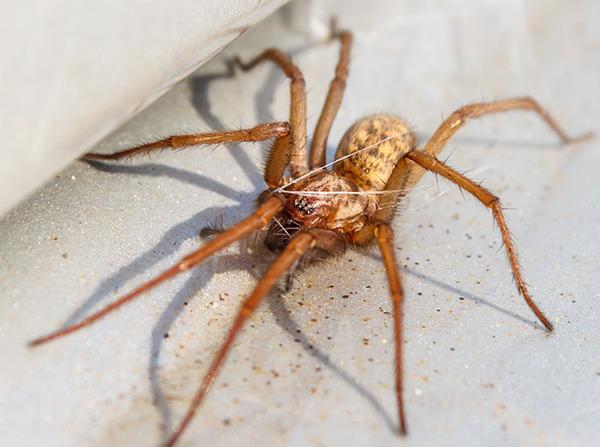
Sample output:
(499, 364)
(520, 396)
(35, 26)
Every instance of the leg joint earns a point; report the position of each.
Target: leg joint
(383, 232)
(297, 77)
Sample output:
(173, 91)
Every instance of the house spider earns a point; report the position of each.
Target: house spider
(319, 209)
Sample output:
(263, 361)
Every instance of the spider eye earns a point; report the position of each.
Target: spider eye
(304, 205)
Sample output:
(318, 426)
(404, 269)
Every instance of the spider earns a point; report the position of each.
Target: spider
(315, 208)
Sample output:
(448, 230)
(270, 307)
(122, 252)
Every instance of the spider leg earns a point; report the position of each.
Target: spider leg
(318, 147)
(256, 221)
(457, 119)
(398, 187)
(430, 163)
(277, 160)
(297, 138)
(385, 235)
(294, 251)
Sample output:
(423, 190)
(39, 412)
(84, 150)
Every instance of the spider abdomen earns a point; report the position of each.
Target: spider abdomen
(390, 139)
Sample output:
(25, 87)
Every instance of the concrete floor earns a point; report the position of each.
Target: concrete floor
(315, 365)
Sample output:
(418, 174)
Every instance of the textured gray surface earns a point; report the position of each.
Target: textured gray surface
(314, 367)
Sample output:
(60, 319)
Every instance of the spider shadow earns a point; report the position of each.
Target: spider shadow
(172, 240)
(283, 318)
(168, 246)
(184, 296)
(287, 323)
(462, 293)
(199, 86)
(493, 142)
(264, 97)
(170, 243)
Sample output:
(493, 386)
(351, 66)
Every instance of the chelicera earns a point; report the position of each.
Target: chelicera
(310, 205)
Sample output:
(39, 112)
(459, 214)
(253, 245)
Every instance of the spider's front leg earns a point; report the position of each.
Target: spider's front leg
(430, 163)
(263, 215)
(276, 162)
(459, 118)
(301, 242)
(384, 235)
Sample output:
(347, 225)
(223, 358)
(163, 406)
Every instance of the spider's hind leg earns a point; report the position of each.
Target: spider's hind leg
(492, 202)
(459, 118)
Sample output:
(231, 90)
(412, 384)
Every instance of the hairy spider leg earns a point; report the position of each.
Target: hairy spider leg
(385, 235)
(255, 221)
(298, 160)
(458, 118)
(333, 101)
(430, 163)
(299, 244)
(276, 162)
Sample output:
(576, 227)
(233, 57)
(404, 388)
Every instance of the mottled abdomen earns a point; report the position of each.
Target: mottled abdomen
(371, 169)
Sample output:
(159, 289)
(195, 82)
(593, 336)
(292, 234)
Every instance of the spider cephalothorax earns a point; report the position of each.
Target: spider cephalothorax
(376, 164)
(329, 201)
(347, 198)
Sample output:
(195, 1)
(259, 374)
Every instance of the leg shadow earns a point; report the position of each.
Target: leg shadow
(283, 319)
(462, 293)
(171, 241)
(197, 281)
(200, 85)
